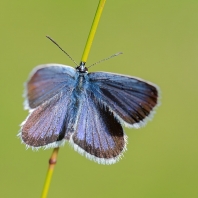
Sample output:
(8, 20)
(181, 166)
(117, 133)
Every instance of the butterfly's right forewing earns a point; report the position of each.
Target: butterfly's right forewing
(131, 99)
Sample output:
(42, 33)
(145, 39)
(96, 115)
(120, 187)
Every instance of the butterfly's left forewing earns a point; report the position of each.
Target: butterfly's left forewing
(46, 81)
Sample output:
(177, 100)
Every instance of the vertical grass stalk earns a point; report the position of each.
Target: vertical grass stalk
(53, 158)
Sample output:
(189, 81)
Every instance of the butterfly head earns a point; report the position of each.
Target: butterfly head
(81, 68)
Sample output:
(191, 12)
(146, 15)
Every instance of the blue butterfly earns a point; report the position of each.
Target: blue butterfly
(87, 110)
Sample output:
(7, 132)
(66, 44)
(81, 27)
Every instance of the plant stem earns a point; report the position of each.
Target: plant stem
(89, 42)
(52, 162)
(93, 30)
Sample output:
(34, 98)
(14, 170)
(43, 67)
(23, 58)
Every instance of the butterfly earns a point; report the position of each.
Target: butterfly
(87, 110)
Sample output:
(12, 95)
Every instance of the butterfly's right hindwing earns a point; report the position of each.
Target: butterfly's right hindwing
(97, 133)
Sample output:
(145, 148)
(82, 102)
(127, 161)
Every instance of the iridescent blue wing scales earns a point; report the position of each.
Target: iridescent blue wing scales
(45, 126)
(131, 99)
(98, 135)
(46, 81)
(48, 92)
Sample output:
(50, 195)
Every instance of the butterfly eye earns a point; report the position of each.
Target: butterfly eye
(82, 69)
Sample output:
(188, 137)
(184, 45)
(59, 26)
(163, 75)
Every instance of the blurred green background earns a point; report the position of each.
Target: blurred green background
(160, 44)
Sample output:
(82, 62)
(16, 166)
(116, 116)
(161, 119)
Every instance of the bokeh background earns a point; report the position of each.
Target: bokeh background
(160, 44)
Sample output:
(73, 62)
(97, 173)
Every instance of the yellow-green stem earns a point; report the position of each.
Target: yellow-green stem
(93, 30)
(54, 155)
(52, 163)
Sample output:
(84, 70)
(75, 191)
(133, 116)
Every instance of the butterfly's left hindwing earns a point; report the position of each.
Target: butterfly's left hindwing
(45, 126)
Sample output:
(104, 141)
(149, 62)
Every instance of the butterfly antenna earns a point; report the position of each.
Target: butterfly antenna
(62, 50)
(106, 59)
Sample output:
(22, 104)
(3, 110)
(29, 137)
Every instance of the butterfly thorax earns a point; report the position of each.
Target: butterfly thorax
(81, 82)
